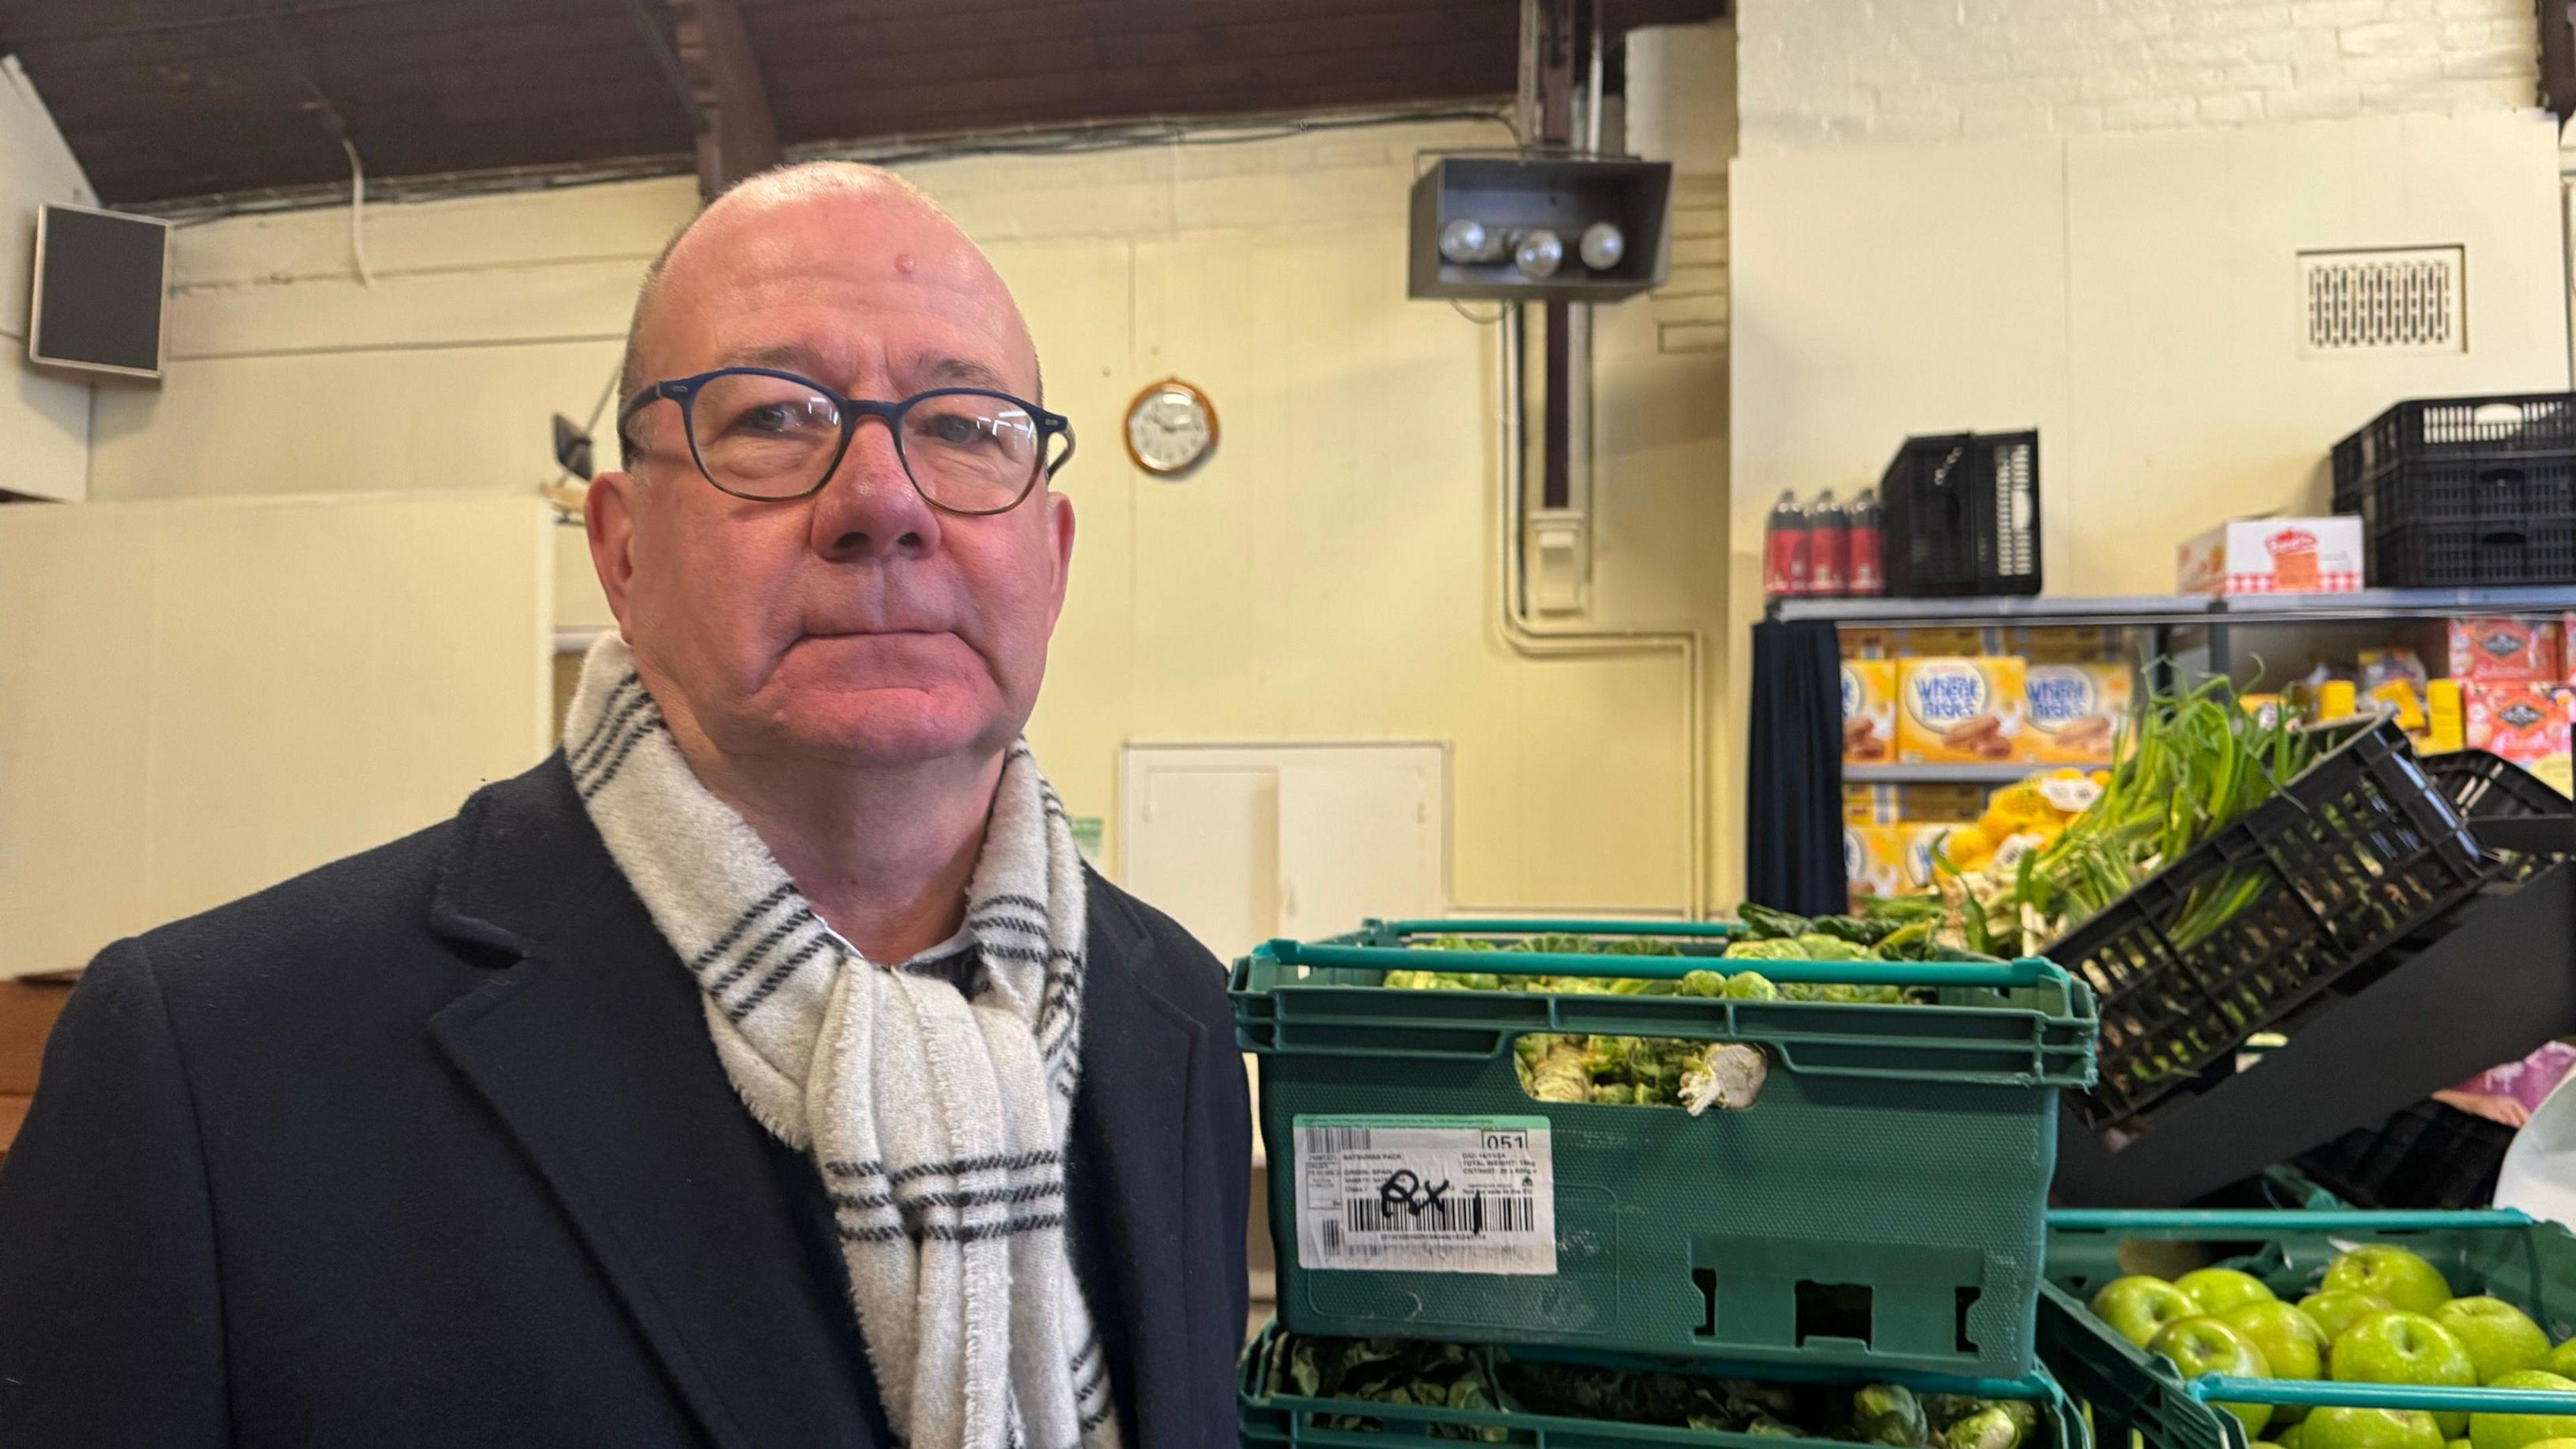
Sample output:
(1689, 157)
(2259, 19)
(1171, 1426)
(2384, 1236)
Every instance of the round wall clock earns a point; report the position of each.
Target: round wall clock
(1171, 426)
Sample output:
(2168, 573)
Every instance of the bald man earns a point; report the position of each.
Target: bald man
(764, 1068)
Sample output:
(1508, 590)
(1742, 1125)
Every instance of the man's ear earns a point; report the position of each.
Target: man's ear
(608, 516)
(1060, 538)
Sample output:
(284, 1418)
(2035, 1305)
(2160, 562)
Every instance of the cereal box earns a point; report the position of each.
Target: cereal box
(1915, 841)
(1944, 639)
(2524, 723)
(2504, 651)
(1869, 711)
(1866, 643)
(2274, 556)
(2063, 644)
(1958, 709)
(1873, 864)
(2074, 712)
(1871, 804)
(1961, 803)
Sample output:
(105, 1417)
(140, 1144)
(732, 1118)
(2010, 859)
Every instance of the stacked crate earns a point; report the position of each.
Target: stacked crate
(2477, 491)
(1875, 1213)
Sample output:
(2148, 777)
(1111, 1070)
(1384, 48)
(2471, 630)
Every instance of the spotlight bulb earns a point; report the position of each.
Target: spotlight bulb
(1602, 246)
(1466, 241)
(1538, 254)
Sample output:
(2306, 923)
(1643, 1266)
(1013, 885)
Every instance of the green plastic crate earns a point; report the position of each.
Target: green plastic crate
(2127, 1392)
(1879, 1207)
(1273, 1420)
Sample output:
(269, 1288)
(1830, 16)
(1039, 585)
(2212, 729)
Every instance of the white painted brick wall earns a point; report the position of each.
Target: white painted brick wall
(1817, 72)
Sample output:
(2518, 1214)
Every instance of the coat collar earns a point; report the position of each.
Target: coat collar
(590, 1046)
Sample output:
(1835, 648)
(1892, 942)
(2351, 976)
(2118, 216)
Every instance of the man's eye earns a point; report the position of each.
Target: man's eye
(960, 431)
(770, 418)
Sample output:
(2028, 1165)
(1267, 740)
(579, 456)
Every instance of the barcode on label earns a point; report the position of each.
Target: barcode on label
(1475, 1215)
(1335, 1139)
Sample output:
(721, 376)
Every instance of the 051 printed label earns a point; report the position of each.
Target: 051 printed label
(1426, 1194)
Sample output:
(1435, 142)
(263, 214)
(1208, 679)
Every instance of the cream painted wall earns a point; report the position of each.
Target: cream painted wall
(200, 698)
(2134, 298)
(44, 421)
(1328, 575)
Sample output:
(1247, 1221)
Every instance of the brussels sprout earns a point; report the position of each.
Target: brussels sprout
(1751, 986)
(1614, 1094)
(1770, 1428)
(1704, 983)
(1990, 1427)
(1780, 950)
(1889, 1414)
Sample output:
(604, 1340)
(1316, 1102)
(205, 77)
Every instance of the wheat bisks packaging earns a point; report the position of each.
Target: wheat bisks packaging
(1959, 709)
(2074, 712)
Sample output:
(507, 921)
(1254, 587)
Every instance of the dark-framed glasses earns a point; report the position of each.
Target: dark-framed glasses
(758, 433)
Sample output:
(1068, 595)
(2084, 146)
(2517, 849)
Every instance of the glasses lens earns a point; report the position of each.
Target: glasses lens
(764, 437)
(970, 452)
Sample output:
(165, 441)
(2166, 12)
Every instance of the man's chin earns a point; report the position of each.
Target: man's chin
(889, 729)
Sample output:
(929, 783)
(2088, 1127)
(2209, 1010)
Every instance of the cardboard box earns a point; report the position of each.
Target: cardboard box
(1955, 709)
(1933, 803)
(2274, 556)
(2063, 644)
(27, 1012)
(2504, 651)
(1914, 843)
(2524, 723)
(1962, 640)
(1872, 861)
(2075, 712)
(1869, 711)
(1866, 643)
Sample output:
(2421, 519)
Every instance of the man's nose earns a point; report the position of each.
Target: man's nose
(869, 508)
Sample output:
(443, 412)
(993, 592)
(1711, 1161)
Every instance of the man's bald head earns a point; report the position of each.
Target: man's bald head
(738, 218)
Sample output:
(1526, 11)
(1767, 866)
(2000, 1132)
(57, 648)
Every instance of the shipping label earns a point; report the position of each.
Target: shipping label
(1426, 1194)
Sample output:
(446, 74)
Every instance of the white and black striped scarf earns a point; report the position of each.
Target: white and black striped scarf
(935, 1095)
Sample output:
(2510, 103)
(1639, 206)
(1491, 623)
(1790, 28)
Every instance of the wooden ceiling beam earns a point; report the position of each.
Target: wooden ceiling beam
(737, 136)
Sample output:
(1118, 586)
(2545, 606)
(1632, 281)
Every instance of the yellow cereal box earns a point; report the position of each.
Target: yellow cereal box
(1872, 861)
(1945, 640)
(1915, 841)
(1960, 803)
(2063, 644)
(1866, 643)
(1957, 709)
(1869, 711)
(1870, 804)
(2074, 712)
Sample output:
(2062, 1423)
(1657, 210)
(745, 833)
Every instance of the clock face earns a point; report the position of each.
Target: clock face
(1170, 427)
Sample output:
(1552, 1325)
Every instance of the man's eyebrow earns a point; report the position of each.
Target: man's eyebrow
(786, 356)
(963, 372)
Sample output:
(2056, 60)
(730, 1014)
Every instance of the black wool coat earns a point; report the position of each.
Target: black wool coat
(430, 1147)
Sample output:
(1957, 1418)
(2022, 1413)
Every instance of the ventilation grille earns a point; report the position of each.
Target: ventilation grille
(2382, 302)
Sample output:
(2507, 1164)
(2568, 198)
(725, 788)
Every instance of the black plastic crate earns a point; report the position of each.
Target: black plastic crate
(2432, 428)
(2353, 855)
(2490, 787)
(2440, 555)
(2502, 489)
(2429, 1155)
(1962, 515)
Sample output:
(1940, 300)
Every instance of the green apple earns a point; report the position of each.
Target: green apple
(2500, 1337)
(2336, 1427)
(2464, 1444)
(2206, 1345)
(2289, 1438)
(2404, 1279)
(2217, 1290)
(2545, 1444)
(2292, 1346)
(2398, 1347)
(2334, 1311)
(2139, 1306)
(2562, 1360)
(2513, 1431)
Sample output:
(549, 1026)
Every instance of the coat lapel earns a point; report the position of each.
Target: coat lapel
(1131, 1126)
(591, 1048)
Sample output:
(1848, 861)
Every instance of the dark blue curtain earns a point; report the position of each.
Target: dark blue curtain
(1793, 816)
